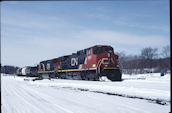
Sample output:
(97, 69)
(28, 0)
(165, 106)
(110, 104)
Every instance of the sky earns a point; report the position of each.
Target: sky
(32, 31)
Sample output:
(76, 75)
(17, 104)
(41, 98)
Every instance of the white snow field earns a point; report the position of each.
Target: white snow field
(144, 93)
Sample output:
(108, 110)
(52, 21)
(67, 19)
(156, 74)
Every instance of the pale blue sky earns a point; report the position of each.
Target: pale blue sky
(40, 30)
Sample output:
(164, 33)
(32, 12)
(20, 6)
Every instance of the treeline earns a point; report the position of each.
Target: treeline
(148, 61)
(7, 69)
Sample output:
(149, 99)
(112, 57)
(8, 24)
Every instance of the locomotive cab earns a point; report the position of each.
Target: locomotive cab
(107, 62)
(106, 55)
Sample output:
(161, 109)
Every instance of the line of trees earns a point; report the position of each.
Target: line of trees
(146, 62)
(7, 69)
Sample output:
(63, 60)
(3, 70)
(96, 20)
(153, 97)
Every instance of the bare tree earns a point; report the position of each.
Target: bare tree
(165, 61)
(148, 54)
(166, 51)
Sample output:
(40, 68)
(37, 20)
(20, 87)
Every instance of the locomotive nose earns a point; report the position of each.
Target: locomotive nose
(105, 61)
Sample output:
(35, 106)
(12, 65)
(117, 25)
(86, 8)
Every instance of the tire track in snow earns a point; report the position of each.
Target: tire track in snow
(10, 90)
(64, 109)
(49, 102)
(19, 93)
(39, 97)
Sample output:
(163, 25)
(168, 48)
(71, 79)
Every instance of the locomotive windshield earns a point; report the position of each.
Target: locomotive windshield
(99, 50)
(109, 49)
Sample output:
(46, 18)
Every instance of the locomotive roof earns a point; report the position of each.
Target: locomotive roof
(95, 46)
(29, 67)
(101, 46)
(75, 53)
(54, 59)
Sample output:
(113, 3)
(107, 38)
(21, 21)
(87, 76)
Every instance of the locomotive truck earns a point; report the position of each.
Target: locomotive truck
(87, 64)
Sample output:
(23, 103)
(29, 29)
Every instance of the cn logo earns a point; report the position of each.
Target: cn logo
(74, 61)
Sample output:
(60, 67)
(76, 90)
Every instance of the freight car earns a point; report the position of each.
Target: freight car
(87, 64)
(28, 71)
(19, 72)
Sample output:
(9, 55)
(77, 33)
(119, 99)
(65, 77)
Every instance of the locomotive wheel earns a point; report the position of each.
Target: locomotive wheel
(92, 76)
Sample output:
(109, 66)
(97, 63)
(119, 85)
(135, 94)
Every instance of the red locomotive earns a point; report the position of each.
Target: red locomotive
(87, 64)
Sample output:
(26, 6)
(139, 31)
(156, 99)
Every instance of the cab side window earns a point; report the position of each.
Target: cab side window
(99, 50)
(89, 52)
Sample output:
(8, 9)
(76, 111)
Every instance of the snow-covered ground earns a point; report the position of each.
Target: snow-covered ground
(144, 93)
